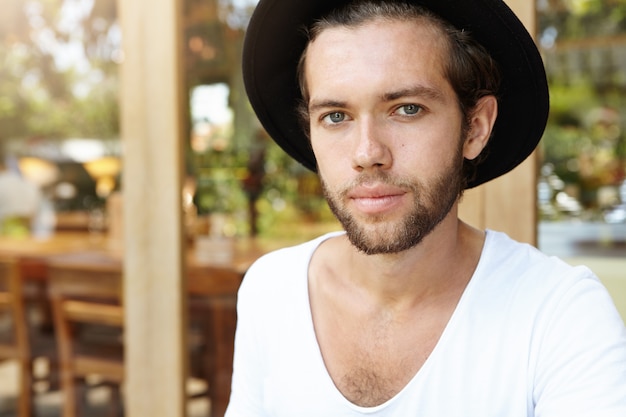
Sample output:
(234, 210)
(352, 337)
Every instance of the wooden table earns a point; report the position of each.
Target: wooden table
(215, 283)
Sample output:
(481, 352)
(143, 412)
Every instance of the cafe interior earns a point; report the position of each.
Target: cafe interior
(136, 210)
(118, 292)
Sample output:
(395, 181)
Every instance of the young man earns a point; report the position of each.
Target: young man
(400, 106)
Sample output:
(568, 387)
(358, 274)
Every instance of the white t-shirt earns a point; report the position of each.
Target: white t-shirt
(531, 336)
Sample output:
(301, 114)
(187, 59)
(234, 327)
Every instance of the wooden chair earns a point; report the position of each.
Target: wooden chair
(87, 289)
(212, 306)
(21, 341)
(88, 318)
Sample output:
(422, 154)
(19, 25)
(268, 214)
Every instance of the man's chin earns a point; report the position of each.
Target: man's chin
(381, 242)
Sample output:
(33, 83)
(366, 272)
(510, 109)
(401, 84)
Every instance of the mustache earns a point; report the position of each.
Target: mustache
(378, 177)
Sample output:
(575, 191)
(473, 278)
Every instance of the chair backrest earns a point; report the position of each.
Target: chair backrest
(86, 292)
(14, 344)
(85, 275)
(85, 289)
(212, 305)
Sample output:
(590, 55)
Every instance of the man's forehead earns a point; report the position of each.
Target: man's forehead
(420, 33)
(404, 59)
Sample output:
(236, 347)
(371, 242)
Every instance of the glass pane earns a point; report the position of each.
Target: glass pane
(582, 188)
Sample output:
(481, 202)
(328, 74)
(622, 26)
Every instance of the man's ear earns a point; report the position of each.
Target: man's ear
(481, 124)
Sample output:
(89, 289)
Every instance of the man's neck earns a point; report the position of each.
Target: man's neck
(443, 261)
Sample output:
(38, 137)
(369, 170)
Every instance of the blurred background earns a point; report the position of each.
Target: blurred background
(59, 124)
(59, 121)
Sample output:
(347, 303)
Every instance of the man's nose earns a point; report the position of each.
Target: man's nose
(371, 149)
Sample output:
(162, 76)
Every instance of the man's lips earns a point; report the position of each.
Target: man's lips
(376, 199)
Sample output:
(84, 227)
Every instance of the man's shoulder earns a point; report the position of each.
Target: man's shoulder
(500, 248)
(517, 263)
(292, 255)
(285, 265)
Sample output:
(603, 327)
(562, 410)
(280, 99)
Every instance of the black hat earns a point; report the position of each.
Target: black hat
(274, 42)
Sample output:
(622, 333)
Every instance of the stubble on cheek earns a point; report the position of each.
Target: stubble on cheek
(381, 234)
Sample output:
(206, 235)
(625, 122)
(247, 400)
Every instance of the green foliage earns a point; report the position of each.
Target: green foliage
(583, 137)
(584, 141)
(14, 102)
(576, 19)
(42, 94)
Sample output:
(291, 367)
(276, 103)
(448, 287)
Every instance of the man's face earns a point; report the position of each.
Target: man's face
(386, 131)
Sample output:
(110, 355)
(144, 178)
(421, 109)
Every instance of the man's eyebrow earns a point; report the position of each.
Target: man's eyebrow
(415, 91)
(316, 105)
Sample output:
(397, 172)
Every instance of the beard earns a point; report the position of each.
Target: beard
(379, 234)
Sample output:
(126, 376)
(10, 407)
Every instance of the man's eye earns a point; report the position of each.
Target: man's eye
(409, 109)
(335, 117)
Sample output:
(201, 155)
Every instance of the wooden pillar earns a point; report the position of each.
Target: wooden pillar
(151, 129)
(508, 203)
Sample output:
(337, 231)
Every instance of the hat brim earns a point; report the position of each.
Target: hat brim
(274, 43)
